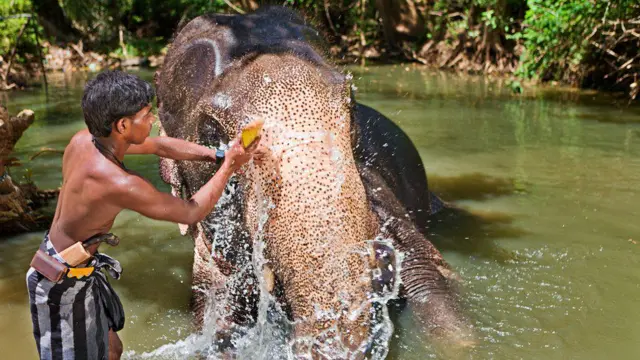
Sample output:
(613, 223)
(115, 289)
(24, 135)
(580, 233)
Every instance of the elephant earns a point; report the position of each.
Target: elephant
(339, 208)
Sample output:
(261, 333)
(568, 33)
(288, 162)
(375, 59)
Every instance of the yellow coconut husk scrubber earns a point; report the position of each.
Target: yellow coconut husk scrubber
(251, 131)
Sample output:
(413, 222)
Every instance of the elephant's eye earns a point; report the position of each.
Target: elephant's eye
(211, 132)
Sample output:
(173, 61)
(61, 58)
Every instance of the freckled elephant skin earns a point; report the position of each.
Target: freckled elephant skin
(220, 73)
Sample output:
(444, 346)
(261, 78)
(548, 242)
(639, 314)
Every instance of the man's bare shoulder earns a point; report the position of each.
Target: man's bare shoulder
(84, 158)
(80, 138)
(107, 180)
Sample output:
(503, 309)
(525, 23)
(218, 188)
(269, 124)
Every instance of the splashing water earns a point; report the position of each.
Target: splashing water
(271, 337)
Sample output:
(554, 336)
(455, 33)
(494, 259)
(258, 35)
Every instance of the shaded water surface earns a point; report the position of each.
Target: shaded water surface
(548, 249)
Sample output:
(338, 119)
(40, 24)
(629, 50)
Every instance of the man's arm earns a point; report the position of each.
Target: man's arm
(172, 148)
(141, 196)
(137, 194)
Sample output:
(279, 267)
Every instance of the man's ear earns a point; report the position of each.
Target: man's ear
(122, 125)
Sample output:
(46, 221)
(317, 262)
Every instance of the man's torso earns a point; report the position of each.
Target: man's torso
(86, 205)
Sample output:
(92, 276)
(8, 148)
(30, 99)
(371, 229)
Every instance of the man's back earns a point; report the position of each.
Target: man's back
(85, 207)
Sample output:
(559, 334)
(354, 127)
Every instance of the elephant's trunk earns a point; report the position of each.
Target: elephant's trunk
(428, 284)
(316, 231)
(318, 216)
(315, 236)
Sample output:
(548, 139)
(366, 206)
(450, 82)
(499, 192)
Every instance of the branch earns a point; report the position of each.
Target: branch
(608, 51)
(328, 15)
(16, 16)
(240, 11)
(44, 72)
(606, 11)
(45, 150)
(595, 30)
(15, 46)
(627, 63)
(621, 68)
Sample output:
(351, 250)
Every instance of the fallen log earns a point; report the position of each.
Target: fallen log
(23, 207)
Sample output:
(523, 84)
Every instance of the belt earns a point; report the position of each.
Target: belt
(54, 270)
(56, 267)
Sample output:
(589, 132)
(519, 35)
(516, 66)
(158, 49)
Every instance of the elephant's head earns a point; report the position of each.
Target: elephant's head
(308, 191)
(306, 201)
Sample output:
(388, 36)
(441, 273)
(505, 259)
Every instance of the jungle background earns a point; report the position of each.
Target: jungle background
(583, 43)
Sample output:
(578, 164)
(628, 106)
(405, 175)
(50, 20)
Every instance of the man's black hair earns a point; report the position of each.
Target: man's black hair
(111, 96)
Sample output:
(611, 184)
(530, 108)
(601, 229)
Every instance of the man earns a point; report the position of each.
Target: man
(77, 316)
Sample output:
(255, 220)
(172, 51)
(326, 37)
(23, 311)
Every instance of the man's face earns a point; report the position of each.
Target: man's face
(141, 124)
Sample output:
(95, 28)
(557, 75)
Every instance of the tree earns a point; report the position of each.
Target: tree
(55, 22)
(401, 20)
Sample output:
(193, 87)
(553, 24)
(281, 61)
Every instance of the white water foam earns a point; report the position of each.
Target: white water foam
(271, 337)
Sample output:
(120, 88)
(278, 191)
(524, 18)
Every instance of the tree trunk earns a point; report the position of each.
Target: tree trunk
(401, 20)
(116, 37)
(54, 21)
(11, 130)
(22, 206)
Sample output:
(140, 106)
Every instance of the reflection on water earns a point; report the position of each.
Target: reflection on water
(474, 186)
(545, 236)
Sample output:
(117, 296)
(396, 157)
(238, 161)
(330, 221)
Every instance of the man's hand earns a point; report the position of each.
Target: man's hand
(237, 155)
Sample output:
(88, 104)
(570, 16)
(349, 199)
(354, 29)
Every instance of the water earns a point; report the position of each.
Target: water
(549, 261)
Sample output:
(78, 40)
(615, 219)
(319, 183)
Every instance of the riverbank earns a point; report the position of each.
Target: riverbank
(581, 43)
(67, 61)
(70, 59)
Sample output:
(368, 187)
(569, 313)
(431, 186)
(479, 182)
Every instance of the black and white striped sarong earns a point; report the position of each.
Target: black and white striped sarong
(71, 318)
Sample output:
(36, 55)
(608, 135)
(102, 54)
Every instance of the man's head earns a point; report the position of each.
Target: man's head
(118, 101)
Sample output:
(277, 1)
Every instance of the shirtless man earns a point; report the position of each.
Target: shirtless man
(77, 318)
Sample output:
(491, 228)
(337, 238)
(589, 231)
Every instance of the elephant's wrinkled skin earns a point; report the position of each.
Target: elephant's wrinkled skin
(338, 174)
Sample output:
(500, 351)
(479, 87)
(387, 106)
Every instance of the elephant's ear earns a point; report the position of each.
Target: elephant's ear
(168, 168)
(170, 174)
(186, 76)
(198, 55)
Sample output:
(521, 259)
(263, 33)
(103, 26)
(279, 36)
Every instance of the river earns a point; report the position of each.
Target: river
(549, 261)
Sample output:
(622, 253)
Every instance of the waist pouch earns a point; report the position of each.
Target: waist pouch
(48, 266)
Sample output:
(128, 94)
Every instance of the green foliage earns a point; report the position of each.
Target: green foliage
(562, 37)
(146, 25)
(555, 36)
(499, 16)
(515, 86)
(10, 27)
(553, 39)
